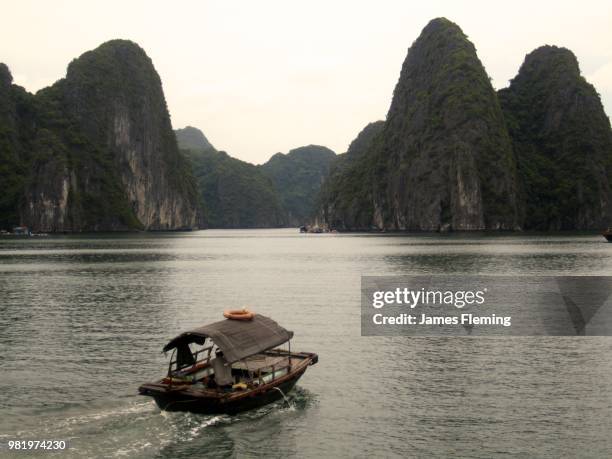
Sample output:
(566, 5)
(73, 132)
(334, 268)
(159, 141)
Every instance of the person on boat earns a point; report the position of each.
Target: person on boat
(223, 371)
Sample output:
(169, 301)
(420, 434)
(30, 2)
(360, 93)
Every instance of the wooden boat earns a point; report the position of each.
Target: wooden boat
(246, 351)
(608, 234)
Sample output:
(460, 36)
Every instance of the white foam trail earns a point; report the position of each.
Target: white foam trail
(116, 412)
(210, 422)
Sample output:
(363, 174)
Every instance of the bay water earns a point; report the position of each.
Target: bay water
(83, 319)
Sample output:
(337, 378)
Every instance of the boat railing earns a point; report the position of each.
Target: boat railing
(263, 372)
(200, 358)
(206, 352)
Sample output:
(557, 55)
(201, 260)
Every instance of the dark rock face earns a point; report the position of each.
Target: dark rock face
(562, 141)
(11, 177)
(443, 159)
(345, 198)
(190, 138)
(361, 144)
(16, 127)
(103, 155)
(297, 177)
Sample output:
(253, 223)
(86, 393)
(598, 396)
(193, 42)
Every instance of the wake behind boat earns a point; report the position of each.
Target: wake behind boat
(229, 366)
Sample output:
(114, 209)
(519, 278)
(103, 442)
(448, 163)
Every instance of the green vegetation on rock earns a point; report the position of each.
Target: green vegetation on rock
(562, 141)
(235, 193)
(297, 177)
(13, 100)
(346, 193)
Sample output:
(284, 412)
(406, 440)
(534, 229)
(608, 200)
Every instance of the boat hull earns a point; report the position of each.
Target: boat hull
(182, 402)
(608, 236)
(231, 402)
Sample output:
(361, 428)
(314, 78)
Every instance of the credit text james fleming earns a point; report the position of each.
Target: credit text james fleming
(411, 298)
(425, 319)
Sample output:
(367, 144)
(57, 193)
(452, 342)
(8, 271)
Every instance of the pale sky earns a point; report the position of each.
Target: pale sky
(260, 77)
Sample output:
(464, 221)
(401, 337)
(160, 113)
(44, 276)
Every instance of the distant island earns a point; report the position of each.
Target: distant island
(236, 194)
(96, 152)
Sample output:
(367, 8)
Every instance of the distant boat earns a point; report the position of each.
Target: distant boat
(21, 231)
(608, 234)
(237, 367)
(313, 229)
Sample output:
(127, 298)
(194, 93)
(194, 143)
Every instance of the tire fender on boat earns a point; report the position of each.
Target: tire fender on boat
(238, 314)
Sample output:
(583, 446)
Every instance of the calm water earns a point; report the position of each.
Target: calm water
(83, 320)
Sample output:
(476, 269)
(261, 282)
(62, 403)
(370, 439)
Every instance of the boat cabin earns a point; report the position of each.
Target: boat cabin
(230, 355)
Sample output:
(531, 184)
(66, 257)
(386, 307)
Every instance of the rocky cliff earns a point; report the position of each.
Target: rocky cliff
(562, 141)
(101, 153)
(443, 159)
(345, 199)
(12, 174)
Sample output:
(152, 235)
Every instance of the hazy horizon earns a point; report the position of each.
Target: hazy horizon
(262, 78)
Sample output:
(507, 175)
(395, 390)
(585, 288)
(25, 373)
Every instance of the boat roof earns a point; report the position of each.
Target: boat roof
(237, 339)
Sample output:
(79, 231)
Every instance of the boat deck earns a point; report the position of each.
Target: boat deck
(259, 361)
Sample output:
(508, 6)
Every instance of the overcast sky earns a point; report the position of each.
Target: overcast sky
(260, 77)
